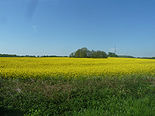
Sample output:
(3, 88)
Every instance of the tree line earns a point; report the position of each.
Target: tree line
(9, 55)
(85, 53)
(14, 55)
(81, 53)
(52, 56)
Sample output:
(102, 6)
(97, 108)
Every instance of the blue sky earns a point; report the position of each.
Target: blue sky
(59, 27)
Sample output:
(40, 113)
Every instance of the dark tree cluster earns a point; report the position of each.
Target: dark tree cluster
(111, 54)
(8, 55)
(85, 53)
(14, 55)
(147, 57)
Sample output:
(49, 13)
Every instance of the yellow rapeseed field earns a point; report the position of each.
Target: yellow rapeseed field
(27, 67)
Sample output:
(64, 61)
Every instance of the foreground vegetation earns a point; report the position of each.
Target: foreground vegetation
(123, 96)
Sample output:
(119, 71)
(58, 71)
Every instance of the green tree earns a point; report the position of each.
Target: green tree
(99, 54)
(111, 54)
(85, 53)
(72, 54)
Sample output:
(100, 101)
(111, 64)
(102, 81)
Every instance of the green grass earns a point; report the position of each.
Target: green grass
(117, 96)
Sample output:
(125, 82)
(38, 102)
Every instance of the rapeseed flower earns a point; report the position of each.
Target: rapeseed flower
(74, 67)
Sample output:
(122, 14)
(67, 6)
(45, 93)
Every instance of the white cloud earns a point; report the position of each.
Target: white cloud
(35, 28)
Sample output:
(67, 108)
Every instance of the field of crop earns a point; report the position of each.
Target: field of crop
(73, 67)
(101, 87)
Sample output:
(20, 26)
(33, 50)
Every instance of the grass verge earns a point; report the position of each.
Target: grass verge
(128, 95)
